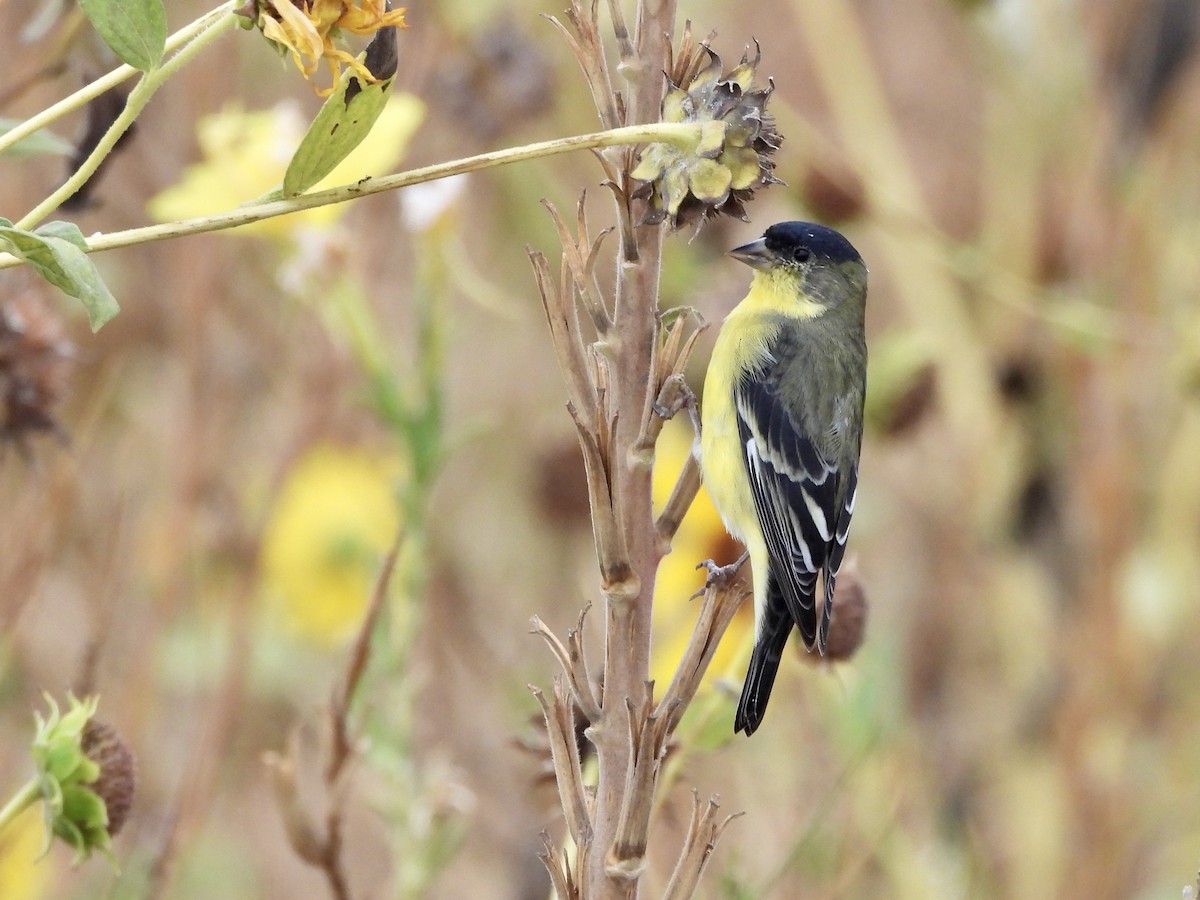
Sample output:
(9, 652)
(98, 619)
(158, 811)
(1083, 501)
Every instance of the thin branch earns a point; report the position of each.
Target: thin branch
(559, 869)
(680, 501)
(721, 603)
(611, 553)
(257, 210)
(574, 665)
(703, 833)
(564, 333)
(624, 44)
(341, 746)
(107, 82)
(576, 257)
(647, 744)
(132, 108)
(588, 47)
(564, 753)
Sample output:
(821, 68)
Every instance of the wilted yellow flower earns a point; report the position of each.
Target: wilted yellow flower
(247, 152)
(335, 518)
(701, 536)
(308, 28)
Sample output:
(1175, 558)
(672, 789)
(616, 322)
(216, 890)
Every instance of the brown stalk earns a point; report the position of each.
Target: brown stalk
(680, 501)
(647, 744)
(341, 745)
(721, 603)
(703, 833)
(559, 867)
(574, 663)
(564, 334)
(627, 649)
(579, 258)
(322, 848)
(622, 386)
(588, 47)
(564, 752)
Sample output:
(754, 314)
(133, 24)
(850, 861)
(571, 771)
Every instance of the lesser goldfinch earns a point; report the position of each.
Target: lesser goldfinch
(782, 430)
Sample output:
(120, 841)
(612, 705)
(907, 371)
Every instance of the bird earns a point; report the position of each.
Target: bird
(782, 422)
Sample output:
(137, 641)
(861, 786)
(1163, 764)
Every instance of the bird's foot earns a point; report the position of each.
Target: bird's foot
(719, 576)
(683, 398)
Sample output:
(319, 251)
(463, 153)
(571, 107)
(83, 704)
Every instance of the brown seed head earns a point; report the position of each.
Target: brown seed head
(118, 771)
(848, 624)
(35, 364)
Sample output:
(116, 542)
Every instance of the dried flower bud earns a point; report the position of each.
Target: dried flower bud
(848, 623)
(35, 360)
(717, 173)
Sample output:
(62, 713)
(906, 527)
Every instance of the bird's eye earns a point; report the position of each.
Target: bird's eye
(802, 254)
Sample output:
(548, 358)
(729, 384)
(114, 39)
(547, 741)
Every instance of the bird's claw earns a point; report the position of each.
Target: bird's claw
(718, 576)
(683, 398)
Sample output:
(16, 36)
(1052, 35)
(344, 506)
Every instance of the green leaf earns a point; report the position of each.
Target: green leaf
(56, 251)
(339, 127)
(67, 231)
(40, 143)
(135, 30)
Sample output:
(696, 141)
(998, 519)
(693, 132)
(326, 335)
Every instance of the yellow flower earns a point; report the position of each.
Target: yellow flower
(21, 877)
(701, 536)
(335, 518)
(307, 28)
(247, 152)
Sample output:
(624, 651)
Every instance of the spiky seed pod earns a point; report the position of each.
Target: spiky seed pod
(716, 174)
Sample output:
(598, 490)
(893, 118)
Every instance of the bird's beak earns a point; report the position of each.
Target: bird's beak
(754, 254)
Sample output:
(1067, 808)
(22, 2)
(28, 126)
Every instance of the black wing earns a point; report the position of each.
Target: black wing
(802, 508)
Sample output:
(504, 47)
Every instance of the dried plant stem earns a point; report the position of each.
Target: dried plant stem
(622, 384)
(703, 833)
(322, 847)
(629, 594)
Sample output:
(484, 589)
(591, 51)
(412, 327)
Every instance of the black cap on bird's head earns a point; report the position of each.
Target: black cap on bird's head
(794, 244)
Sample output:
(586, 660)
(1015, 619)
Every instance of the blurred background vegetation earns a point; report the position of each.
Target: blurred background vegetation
(194, 502)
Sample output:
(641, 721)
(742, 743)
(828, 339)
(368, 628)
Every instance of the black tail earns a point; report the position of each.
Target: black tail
(764, 663)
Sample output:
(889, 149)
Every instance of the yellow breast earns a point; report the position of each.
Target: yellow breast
(741, 345)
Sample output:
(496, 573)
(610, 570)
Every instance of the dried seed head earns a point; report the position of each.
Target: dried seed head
(35, 363)
(118, 771)
(718, 173)
(848, 624)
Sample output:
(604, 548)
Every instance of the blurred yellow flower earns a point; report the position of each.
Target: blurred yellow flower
(701, 536)
(21, 876)
(307, 28)
(335, 518)
(247, 152)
